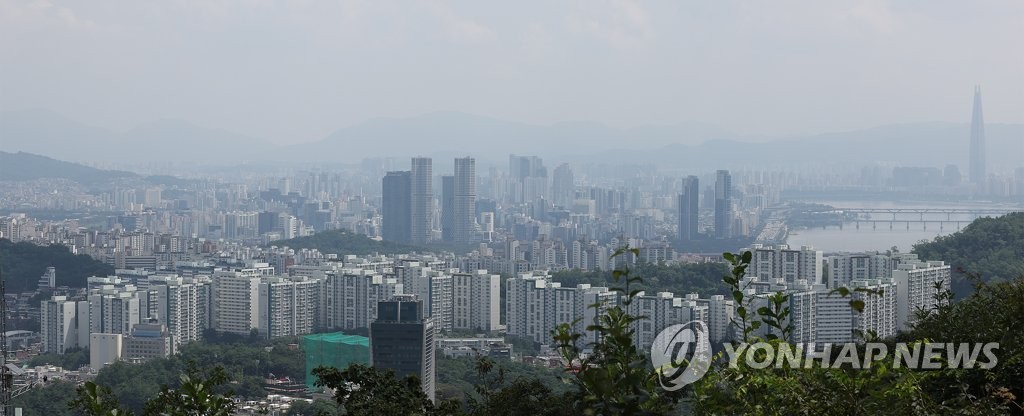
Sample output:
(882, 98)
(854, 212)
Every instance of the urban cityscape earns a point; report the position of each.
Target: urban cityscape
(447, 263)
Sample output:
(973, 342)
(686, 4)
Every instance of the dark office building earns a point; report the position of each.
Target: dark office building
(402, 339)
(688, 209)
(266, 222)
(396, 206)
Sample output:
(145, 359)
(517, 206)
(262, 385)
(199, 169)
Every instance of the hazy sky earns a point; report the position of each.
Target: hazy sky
(292, 71)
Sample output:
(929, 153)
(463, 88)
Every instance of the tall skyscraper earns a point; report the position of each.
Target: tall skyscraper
(723, 204)
(688, 209)
(464, 211)
(563, 190)
(396, 206)
(977, 162)
(422, 200)
(402, 339)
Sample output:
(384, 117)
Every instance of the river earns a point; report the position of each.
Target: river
(880, 236)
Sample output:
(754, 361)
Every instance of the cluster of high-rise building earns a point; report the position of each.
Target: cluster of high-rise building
(893, 287)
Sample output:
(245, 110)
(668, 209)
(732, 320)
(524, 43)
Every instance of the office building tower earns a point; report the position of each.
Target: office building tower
(688, 209)
(402, 340)
(422, 201)
(396, 206)
(529, 178)
(448, 208)
(148, 340)
(977, 171)
(563, 188)
(723, 204)
(464, 214)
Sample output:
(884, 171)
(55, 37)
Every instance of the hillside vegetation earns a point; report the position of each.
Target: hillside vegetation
(23, 166)
(23, 263)
(992, 248)
(344, 242)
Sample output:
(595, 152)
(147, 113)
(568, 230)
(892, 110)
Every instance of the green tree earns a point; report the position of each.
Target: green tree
(95, 400)
(364, 390)
(615, 378)
(197, 395)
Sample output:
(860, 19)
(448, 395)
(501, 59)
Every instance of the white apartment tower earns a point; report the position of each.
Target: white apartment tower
(476, 301)
(64, 324)
(782, 262)
(287, 306)
(917, 283)
(351, 297)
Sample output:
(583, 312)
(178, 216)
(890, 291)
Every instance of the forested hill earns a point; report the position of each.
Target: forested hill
(680, 279)
(23, 263)
(27, 166)
(343, 243)
(990, 247)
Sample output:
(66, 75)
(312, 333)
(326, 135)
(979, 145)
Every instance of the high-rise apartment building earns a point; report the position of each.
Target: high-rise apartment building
(287, 306)
(476, 301)
(351, 297)
(535, 306)
(402, 340)
(689, 209)
(236, 301)
(183, 306)
(662, 310)
(63, 324)
(723, 204)
(782, 262)
(113, 311)
(916, 283)
(396, 206)
(422, 201)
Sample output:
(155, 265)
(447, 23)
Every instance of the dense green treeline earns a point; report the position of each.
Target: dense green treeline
(992, 248)
(23, 263)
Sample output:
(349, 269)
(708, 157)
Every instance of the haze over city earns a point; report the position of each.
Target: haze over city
(291, 72)
(464, 208)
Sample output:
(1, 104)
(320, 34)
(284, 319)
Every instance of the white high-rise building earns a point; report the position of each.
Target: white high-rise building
(351, 297)
(64, 324)
(782, 262)
(662, 310)
(236, 301)
(917, 284)
(720, 314)
(844, 268)
(535, 306)
(432, 286)
(113, 311)
(476, 301)
(288, 306)
(183, 306)
(821, 316)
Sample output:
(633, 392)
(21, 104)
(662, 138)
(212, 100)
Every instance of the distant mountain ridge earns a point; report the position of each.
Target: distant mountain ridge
(24, 166)
(49, 133)
(444, 135)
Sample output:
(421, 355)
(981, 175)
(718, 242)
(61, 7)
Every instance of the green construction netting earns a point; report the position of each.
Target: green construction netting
(334, 350)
